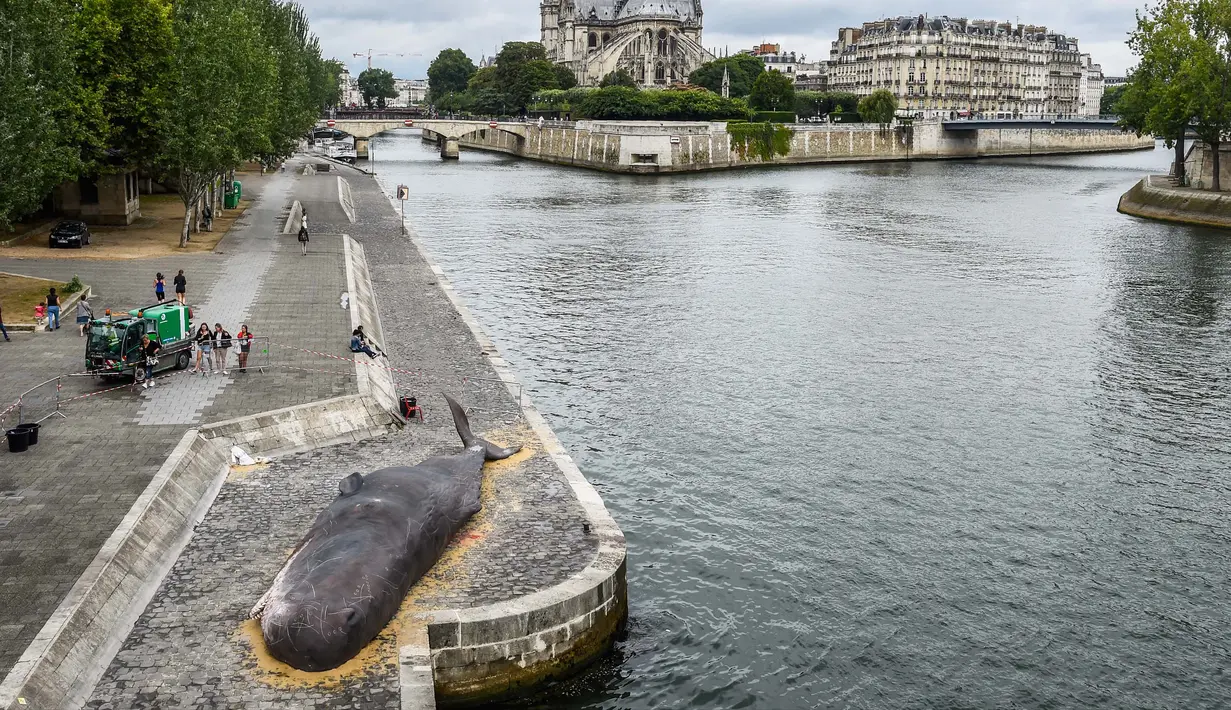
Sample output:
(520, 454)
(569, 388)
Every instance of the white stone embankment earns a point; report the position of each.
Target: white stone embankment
(646, 147)
(1156, 198)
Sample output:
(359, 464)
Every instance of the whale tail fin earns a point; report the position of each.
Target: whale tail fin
(491, 452)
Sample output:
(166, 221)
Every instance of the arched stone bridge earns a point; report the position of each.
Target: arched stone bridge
(448, 132)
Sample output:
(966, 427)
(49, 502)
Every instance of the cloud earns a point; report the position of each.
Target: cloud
(479, 27)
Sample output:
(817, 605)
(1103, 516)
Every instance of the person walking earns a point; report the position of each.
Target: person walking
(40, 315)
(244, 337)
(4, 330)
(181, 288)
(53, 310)
(303, 234)
(85, 314)
(205, 346)
(149, 350)
(222, 348)
(160, 287)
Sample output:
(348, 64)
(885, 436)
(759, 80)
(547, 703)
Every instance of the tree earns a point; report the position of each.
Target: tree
(878, 107)
(124, 58)
(744, 70)
(522, 70)
(484, 78)
(1207, 76)
(327, 84)
(565, 78)
(376, 85)
(619, 77)
(42, 128)
(1111, 97)
(449, 72)
(1157, 101)
(772, 91)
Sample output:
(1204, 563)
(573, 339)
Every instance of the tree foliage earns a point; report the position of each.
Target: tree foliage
(1109, 104)
(744, 70)
(188, 89)
(772, 91)
(626, 103)
(449, 72)
(40, 93)
(376, 86)
(619, 77)
(1184, 48)
(878, 107)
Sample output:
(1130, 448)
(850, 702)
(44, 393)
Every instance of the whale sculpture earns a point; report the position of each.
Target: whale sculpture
(348, 575)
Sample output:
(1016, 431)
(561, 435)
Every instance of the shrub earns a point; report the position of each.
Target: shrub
(773, 116)
(73, 286)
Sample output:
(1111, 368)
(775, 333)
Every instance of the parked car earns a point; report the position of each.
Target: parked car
(69, 233)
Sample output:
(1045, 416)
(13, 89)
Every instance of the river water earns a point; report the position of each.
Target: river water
(926, 435)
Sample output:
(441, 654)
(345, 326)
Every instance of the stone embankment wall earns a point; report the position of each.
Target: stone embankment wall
(1156, 198)
(1199, 167)
(655, 147)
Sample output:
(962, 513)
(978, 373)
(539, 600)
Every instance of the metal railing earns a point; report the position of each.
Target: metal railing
(37, 404)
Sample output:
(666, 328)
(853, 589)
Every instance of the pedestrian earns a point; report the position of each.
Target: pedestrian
(40, 315)
(222, 347)
(208, 215)
(205, 346)
(3, 329)
(181, 287)
(303, 234)
(53, 310)
(85, 314)
(160, 287)
(358, 346)
(149, 349)
(244, 336)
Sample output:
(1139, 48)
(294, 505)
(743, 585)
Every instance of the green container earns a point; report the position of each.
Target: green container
(230, 199)
(173, 321)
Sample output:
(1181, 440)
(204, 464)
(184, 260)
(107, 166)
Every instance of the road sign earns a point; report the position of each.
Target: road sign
(494, 124)
(409, 123)
(403, 193)
(330, 123)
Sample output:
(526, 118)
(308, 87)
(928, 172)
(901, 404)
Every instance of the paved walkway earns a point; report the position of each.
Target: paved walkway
(192, 645)
(61, 500)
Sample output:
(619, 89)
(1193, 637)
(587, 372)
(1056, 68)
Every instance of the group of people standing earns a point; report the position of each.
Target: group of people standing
(214, 349)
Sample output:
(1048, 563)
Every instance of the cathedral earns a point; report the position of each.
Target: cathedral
(657, 41)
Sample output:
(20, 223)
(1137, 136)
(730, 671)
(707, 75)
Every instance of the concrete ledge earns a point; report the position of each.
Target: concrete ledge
(374, 382)
(1155, 198)
(294, 219)
(501, 650)
(346, 200)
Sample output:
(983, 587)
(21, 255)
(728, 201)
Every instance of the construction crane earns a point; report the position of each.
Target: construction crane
(371, 54)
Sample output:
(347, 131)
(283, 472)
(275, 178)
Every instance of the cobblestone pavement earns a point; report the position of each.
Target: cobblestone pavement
(61, 500)
(192, 645)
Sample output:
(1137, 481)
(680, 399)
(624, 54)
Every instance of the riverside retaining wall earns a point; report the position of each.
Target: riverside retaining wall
(1156, 198)
(670, 147)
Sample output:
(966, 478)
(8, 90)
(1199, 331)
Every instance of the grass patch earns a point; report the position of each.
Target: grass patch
(155, 233)
(20, 294)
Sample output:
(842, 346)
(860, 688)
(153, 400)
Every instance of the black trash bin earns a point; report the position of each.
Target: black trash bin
(32, 430)
(19, 440)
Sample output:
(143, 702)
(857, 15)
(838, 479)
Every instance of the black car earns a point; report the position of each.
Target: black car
(69, 233)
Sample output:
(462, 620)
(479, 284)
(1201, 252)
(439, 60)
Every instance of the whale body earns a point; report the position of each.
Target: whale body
(347, 577)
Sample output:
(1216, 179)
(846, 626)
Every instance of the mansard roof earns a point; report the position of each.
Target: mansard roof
(624, 9)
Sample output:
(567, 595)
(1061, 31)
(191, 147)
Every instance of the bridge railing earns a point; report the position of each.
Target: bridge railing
(1045, 117)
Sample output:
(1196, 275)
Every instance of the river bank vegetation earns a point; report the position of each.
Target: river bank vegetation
(184, 91)
(1183, 80)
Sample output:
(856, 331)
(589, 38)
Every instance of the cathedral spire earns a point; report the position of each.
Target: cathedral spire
(726, 82)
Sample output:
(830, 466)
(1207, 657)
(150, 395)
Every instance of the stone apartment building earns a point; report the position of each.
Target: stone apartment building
(941, 66)
(657, 41)
(1091, 86)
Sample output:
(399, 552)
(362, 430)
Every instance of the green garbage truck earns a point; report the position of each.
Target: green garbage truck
(113, 349)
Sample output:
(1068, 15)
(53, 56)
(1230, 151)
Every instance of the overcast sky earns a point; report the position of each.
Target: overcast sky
(424, 27)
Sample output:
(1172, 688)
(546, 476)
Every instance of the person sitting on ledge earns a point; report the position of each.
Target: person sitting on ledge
(363, 338)
(358, 346)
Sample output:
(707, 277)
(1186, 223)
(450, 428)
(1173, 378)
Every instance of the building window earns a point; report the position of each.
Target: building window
(606, 38)
(660, 73)
(662, 42)
(592, 41)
